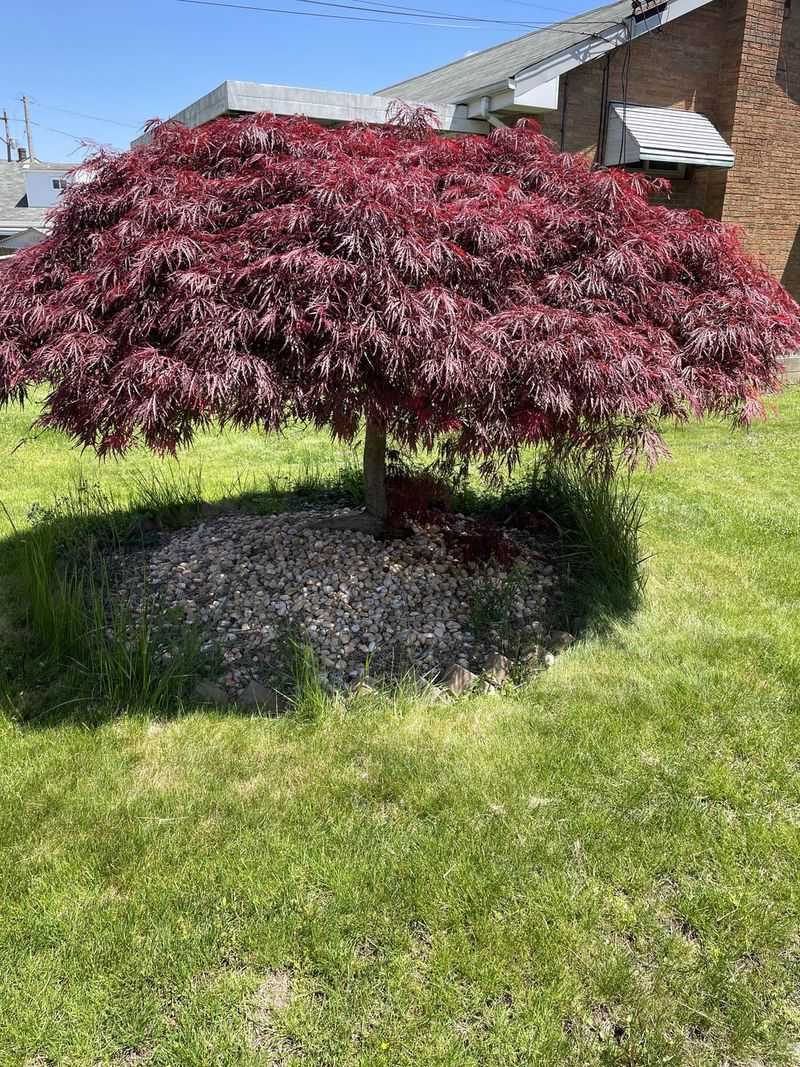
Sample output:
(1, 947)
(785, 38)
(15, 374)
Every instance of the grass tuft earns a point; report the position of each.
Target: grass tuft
(309, 695)
(596, 525)
(96, 650)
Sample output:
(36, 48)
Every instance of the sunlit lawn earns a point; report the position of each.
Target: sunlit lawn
(599, 869)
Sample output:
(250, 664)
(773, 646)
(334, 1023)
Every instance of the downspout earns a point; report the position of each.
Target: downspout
(563, 137)
(599, 156)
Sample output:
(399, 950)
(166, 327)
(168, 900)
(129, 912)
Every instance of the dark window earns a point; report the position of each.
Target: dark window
(663, 168)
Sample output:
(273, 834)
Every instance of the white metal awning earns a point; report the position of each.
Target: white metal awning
(663, 135)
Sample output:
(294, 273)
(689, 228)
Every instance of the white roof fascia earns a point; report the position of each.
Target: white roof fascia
(540, 98)
(548, 71)
(330, 106)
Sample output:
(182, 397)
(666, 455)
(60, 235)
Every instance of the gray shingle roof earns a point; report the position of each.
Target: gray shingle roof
(458, 81)
(14, 210)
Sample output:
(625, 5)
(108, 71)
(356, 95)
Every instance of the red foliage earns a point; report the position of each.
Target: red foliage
(482, 542)
(416, 496)
(422, 497)
(488, 288)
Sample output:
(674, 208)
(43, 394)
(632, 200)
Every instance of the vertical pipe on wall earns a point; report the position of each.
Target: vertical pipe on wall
(563, 134)
(601, 130)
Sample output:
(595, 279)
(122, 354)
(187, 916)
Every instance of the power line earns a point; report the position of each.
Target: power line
(50, 129)
(340, 18)
(380, 22)
(446, 24)
(377, 7)
(27, 121)
(406, 8)
(82, 115)
(544, 7)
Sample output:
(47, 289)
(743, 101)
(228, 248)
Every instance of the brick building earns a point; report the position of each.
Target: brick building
(705, 92)
(736, 62)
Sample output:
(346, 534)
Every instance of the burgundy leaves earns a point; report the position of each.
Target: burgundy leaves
(486, 288)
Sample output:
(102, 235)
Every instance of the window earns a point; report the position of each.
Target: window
(60, 184)
(661, 168)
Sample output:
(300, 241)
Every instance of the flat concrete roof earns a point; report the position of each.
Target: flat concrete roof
(323, 105)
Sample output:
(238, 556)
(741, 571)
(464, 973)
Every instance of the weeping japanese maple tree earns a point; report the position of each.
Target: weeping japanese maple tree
(487, 292)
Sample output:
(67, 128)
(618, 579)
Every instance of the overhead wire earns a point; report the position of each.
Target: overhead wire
(378, 7)
(444, 21)
(50, 129)
(444, 25)
(82, 115)
(545, 7)
(599, 160)
(521, 3)
(405, 9)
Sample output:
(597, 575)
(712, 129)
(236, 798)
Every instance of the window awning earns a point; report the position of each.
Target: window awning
(663, 135)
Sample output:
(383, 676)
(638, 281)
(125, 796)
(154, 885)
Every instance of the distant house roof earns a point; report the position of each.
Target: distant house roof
(21, 239)
(15, 215)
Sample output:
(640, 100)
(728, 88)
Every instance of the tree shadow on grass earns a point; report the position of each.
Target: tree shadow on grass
(72, 652)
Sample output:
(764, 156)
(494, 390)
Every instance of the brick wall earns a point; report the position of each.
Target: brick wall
(738, 62)
(762, 191)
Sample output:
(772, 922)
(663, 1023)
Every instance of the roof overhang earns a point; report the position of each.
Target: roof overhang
(323, 105)
(534, 89)
(663, 135)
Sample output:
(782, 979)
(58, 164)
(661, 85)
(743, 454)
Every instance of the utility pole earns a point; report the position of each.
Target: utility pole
(28, 133)
(7, 138)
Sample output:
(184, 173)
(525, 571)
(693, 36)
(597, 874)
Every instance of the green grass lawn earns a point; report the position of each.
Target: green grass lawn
(600, 868)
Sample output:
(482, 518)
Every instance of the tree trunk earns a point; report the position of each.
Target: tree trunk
(375, 473)
(373, 519)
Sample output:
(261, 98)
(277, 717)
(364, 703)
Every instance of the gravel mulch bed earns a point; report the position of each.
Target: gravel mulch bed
(250, 582)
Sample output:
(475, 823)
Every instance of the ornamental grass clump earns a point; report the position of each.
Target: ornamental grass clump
(480, 294)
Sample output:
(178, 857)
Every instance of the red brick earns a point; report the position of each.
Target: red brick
(738, 62)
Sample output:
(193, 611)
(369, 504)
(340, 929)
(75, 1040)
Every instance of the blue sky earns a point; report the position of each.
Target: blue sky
(130, 60)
